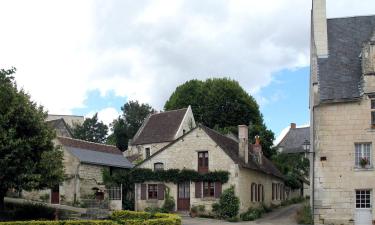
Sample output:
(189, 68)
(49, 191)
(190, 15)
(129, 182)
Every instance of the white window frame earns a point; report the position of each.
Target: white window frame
(360, 193)
(362, 154)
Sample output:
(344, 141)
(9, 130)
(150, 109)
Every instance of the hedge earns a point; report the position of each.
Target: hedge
(144, 218)
(122, 217)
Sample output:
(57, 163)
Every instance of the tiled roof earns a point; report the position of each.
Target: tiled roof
(230, 147)
(93, 153)
(339, 75)
(160, 127)
(76, 143)
(293, 140)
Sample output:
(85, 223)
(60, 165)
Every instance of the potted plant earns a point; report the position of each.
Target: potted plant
(194, 211)
(364, 162)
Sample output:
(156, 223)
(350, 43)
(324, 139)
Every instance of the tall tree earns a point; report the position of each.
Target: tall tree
(91, 130)
(28, 157)
(127, 125)
(222, 104)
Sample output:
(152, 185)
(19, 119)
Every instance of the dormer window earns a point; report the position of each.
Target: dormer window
(147, 152)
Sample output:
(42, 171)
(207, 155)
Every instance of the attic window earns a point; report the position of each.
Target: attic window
(148, 153)
(158, 166)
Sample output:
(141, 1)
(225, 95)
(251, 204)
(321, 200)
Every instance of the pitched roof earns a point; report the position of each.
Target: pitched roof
(160, 127)
(94, 153)
(61, 127)
(230, 147)
(340, 74)
(293, 140)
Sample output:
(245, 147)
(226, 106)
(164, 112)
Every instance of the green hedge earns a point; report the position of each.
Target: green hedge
(144, 218)
(122, 217)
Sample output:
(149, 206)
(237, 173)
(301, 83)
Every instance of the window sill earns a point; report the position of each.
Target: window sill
(208, 199)
(358, 169)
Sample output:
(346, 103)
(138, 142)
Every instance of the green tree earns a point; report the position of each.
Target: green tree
(294, 166)
(127, 125)
(222, 104)
(28, 158)
(91, 130)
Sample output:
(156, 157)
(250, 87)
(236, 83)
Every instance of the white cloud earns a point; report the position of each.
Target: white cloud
(105, 115)
(144, 49)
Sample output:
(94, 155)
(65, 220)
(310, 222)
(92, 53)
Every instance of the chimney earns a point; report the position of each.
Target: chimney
(257, 150)
(293, 126)
(243, 142)
(319, 28)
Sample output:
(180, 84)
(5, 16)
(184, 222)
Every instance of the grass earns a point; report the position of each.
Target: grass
(304, 215)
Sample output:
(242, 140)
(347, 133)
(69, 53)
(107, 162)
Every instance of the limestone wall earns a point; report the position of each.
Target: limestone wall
(337, 128)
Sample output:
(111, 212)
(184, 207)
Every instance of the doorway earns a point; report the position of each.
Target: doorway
(363, 208)
(183, 196)
(55, 195)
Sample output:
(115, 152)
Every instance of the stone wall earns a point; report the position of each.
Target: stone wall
(337, 128)
(184, 155)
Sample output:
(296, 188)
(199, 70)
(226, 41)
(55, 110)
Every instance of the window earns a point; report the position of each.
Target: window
(203, 162)
(254, 192)
(363, 155)
(260, 193)
(373, 113)
(158, 166)
(183, 131)
(208, 189)
(363, 199)
(273, 191)
(152, 191)
(148, 153)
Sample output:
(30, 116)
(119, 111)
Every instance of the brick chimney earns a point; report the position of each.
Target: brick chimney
(243, 142)
(293, 126)
(257, 150)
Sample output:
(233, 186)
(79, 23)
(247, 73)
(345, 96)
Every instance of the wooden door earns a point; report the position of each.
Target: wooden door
(55, 195)
(183, 196)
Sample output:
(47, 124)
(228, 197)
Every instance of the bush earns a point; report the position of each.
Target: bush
(266, 208)
(233, 219)
(229, 203)
(27, 211)
(154, 210)
(252, 214)
(144, 218)
(304, 215)
(169, 202)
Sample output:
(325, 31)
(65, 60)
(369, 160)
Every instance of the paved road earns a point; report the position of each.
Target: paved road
(282, 216)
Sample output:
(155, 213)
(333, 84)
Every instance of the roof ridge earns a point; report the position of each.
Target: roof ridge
(173, 110)
(349, 17)
(90, 142)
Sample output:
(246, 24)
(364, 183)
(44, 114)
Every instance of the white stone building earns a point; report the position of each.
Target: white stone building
(158, 130)
(342, 104)
(255, 178)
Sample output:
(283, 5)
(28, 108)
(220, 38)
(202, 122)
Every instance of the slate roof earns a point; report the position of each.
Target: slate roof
(160, 127)
(94, 153)
(230, 147)
(293, 140)
(339, 75)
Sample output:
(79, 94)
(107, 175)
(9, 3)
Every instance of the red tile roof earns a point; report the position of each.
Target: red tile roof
(76, 143)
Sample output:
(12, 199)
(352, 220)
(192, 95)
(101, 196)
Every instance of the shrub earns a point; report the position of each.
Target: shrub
(201, 208)
(266, 208)
(304, 215)
(154, 210)
(233, 219)
(216, 208)
(229, 203)
(145, 218)
(169, 202)
(44, 197)
(28, 211)
(129, 215)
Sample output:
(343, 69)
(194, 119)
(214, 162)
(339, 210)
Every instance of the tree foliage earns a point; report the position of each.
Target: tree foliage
(229, 204)
(91, 130)
(127, 125)
(294, 166)
(28, 157)
(222, 104)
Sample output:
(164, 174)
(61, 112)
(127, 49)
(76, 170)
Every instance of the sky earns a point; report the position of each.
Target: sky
(82, 57)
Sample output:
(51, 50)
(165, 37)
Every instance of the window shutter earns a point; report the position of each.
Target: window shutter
(161, 188)
(198, 189)
(217, 189)
(143, 191)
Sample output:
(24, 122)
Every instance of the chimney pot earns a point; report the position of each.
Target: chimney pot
(257, 140)
(293, 126)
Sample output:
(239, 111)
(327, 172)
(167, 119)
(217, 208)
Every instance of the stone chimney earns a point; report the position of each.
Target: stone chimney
(293, 126)
(319, 28)
(243, 142)
(257, 150)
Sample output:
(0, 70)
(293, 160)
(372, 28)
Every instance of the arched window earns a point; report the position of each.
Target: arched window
(254, 192)
(260, 193)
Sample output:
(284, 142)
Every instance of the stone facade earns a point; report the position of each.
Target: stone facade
(183, 154)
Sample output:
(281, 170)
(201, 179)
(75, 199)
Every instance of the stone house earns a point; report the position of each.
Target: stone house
(292, 143)
(158, 130)
(70, 120)
(255, 178)
(342, 105)
(84, 163)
